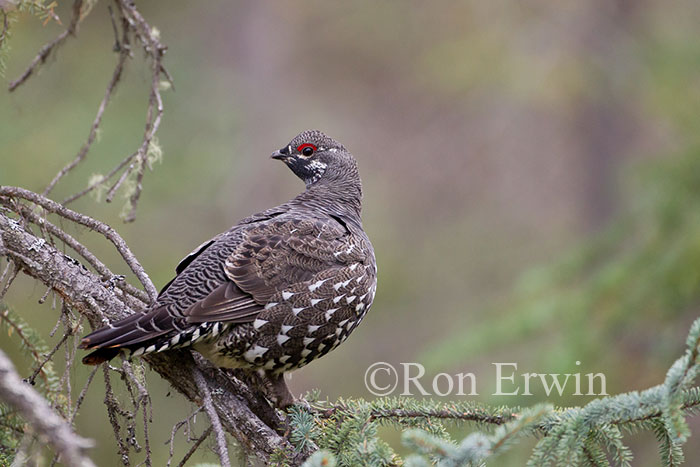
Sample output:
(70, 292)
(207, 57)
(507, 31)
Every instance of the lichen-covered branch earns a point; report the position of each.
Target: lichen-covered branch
(221, 448)
(124, 53)
(135, 31)
(8, 192)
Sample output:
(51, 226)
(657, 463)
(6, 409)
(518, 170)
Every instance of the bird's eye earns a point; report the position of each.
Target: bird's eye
(306, 149)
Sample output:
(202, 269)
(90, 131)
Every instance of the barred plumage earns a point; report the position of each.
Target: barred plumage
(278, 289)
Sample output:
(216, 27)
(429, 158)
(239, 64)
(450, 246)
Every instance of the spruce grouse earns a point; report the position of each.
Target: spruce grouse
(274, 292)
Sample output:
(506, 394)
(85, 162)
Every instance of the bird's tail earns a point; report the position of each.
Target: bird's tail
(135, 332)
(100, 356)
(143, 333)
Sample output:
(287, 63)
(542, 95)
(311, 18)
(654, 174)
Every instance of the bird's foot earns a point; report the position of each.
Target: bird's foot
(278, 392)
(302, 404)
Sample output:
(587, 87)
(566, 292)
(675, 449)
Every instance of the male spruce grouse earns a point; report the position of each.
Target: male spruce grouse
(274, 292)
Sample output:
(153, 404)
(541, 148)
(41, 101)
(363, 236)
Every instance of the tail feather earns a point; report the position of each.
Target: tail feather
(100, 356)
(143, 333)
(133, 329)
(130, 333)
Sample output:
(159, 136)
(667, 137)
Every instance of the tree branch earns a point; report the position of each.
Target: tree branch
(49, 47)
(124, 52)
(92, 224)
(37, 412)
(86, 293)
(221, 448)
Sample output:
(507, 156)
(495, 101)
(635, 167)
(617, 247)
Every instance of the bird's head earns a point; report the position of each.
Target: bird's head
(314, 156)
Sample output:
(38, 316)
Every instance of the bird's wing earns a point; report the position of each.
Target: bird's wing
(270, 257)
(264, 258)
(147, 326)
(187, 260)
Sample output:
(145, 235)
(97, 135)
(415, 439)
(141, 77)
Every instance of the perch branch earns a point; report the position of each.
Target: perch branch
(79, 248)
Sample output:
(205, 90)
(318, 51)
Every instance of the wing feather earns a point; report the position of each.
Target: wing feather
(187, 260)
(271, 256)
(225, 303)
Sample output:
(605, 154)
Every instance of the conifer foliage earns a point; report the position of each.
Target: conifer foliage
(345, 432)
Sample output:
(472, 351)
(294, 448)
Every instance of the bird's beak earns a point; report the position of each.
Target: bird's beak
(279, 156)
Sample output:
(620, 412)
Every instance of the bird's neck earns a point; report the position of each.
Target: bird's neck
(335, 198)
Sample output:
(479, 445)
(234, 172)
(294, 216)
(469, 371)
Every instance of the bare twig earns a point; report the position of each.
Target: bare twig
(116, 75)
(40, 58)
(196, 445)
(113, 410)
(65, 380)
(59, 320)
(117, 45)
(143, 401)
(103, 180)
(41, 418)
(49, 47)
(132, 23)
(113, 190)
(134, 198)
(9, 265)
(83, 393)
(45, 296)
(10, 278)
(221, 448)
(48, 357)
(176, 428)
(155, 50)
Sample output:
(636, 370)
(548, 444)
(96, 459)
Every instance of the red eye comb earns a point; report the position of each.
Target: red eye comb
(301, 147)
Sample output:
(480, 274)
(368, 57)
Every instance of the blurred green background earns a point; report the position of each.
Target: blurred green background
(531, 174)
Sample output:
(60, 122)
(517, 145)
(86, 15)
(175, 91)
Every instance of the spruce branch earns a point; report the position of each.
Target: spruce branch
(33, 345)
(320, 459)
(574, 436)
